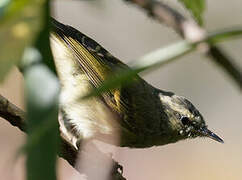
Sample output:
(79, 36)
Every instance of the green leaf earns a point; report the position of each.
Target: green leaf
(223, 35)
(42, 113)
(196, 8)
(20, 22)
(151, 60)
(42, 92)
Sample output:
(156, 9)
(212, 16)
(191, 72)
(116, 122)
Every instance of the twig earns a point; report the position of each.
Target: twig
(223, 60)
(16, 117)
(190, 31)
(187, 28)
(12, 114)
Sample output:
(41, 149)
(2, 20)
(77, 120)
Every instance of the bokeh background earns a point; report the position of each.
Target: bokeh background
(129, 34)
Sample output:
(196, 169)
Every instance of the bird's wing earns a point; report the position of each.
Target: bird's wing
(132, 103)
(96, 62)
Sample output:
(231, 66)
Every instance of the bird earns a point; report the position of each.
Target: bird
(138, 114)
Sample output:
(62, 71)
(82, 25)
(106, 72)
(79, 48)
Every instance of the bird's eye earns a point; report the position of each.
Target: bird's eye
(185, 120)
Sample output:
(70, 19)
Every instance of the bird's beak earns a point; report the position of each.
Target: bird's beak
(206, 132)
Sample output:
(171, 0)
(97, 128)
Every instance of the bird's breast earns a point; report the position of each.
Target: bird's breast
(79, 118)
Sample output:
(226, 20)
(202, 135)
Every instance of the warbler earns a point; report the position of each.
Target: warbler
(141, 115)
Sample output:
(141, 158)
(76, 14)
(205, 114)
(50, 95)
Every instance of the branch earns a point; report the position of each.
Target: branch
(190, 31)
(16, 117)
(187, 28)
(12, 114)
(226, 62)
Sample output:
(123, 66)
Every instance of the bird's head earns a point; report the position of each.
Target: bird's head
(184, 119)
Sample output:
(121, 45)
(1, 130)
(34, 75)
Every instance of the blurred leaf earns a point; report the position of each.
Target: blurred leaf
(151, 60)
(120, 78)
(160, 57)
(20, 22)
(42, 90)
(222, 35)
(196, 8)
(42, 111)
(3, 5)
(43, 41)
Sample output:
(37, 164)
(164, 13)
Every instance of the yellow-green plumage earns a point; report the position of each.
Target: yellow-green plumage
(139, 115)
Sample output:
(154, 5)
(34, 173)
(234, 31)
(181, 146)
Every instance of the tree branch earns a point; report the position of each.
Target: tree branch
(190, 31)
(16, 117)
(12, 114)
(226, 62)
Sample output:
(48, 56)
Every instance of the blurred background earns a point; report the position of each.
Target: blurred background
(128, 34)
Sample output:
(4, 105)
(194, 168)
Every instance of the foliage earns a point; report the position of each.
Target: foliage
(24, 32)
(20, 23)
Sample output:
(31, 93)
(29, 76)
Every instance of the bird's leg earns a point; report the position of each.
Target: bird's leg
(117, 168)
(78, 143)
